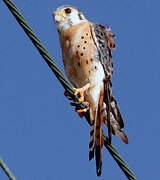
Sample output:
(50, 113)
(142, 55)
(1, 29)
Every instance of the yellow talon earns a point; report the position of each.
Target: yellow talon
(80, 92)
(80, 112)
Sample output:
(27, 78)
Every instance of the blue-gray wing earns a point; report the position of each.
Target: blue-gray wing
(103, 40)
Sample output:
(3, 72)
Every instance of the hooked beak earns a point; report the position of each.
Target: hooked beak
(58, 17)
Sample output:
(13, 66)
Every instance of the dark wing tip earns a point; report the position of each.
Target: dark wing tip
(91, 155)
(123, 136)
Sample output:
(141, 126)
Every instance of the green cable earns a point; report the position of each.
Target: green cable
(44, 53)
(6, 170)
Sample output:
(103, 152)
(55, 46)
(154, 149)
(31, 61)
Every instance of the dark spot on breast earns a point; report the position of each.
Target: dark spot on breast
(79, 63)
(81, 54)
(84, 47)
(78, 46)
(86, 61)
(85, 42)
(89, 71)
(86, 34)
(82, 37)
(91, 59)
(77, 52)
(95, 67)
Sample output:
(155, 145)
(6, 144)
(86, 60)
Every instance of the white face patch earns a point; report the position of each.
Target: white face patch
(64, 21)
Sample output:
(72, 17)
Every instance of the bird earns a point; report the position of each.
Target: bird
(87, 58)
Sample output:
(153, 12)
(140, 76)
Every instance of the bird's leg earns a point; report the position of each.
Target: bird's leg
(80, 92)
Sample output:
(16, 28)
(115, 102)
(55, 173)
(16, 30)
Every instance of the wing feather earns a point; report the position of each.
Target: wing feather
(103, 40)
(104, 43)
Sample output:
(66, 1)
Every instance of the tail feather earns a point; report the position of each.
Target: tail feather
(117, 129)
(107, 111)
(116, 112)
(91, 143)
(114, 119)
(96, 135)
(107, 97)
(99, 134)
(98, 153)
(123, 136)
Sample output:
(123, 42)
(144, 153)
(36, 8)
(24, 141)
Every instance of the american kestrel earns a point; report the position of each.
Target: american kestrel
(87, 58)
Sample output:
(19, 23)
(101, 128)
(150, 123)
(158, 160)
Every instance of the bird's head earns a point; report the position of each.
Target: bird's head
(67, 16)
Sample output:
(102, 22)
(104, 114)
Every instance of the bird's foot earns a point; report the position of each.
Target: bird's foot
(80, 92)
(78, 108)
(82, 111)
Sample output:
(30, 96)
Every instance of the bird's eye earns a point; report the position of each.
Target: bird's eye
(67, 11)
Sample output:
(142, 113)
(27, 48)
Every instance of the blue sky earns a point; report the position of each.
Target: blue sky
(41, 136)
